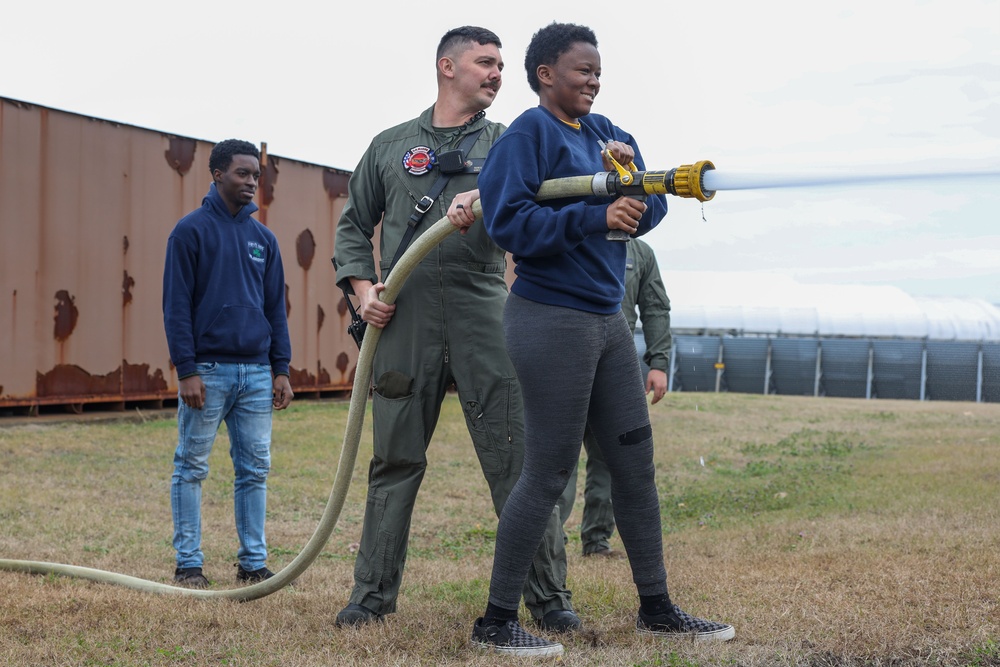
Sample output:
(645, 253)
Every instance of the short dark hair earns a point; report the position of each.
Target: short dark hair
(551, 42)
(464, 34)
(222, 154)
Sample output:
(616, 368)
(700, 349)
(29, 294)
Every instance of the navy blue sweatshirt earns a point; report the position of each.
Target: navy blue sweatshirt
(562, 256)
(224, 290)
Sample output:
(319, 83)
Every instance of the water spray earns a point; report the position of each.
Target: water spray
(760, 181)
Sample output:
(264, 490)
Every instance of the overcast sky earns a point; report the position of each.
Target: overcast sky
(857, 87)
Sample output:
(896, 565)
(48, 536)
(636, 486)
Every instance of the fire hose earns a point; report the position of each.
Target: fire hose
(684, 181)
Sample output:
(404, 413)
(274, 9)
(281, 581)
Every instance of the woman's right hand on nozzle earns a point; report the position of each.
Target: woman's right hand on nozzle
(624, 213)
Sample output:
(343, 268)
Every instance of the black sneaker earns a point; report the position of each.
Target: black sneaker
(560, 620)
(680, 624)
(354, 615)
(603, 552)
(511, 639)
(252, 576)
(190, 577)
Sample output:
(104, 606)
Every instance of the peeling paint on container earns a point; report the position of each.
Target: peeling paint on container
(82, 318)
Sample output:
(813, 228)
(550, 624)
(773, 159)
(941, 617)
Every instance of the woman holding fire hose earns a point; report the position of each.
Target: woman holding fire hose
(568, 338)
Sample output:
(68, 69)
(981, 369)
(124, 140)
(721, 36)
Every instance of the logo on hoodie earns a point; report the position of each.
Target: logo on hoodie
(256, 251)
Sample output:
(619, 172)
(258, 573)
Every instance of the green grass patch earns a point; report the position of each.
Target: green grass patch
(807, 471)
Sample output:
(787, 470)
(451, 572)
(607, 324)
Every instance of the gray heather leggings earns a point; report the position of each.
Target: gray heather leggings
(577, 368)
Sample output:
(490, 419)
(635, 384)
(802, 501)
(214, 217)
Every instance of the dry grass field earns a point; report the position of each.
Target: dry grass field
(829, 532)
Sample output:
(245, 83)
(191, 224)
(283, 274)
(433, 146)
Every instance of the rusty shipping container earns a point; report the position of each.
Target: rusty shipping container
(86, 206)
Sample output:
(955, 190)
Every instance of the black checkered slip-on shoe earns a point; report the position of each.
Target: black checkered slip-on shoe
(511, 639)
(684, 626)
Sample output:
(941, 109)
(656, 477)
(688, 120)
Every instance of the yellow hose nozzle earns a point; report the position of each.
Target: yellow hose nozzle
(684, 181)
(687, 180)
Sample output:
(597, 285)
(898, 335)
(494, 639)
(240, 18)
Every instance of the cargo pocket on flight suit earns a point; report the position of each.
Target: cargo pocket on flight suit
(397, 421)
(490, 425)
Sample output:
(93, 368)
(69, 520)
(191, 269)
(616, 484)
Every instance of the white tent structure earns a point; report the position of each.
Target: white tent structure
(763, 333)
(768, 304)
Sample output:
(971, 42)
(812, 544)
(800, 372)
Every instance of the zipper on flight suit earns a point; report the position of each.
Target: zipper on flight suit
(444, 306)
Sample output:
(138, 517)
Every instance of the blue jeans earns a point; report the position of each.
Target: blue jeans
(240, 394)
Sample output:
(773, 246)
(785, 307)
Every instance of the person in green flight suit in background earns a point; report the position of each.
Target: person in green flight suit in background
(643, 288)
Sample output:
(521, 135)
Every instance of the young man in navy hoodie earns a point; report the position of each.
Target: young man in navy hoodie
(224, 315)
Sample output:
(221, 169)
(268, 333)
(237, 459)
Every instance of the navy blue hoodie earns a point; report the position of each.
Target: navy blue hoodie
(561, 255)
(224, 290)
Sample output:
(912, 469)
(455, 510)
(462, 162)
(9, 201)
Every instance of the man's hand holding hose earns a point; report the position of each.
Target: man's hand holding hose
(460, 212)
(371, 309)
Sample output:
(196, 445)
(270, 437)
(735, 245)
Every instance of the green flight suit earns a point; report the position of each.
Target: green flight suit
(643, 288)
(447, 328)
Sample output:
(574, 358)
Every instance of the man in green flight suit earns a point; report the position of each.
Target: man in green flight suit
(446, 326)
(643, 288)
